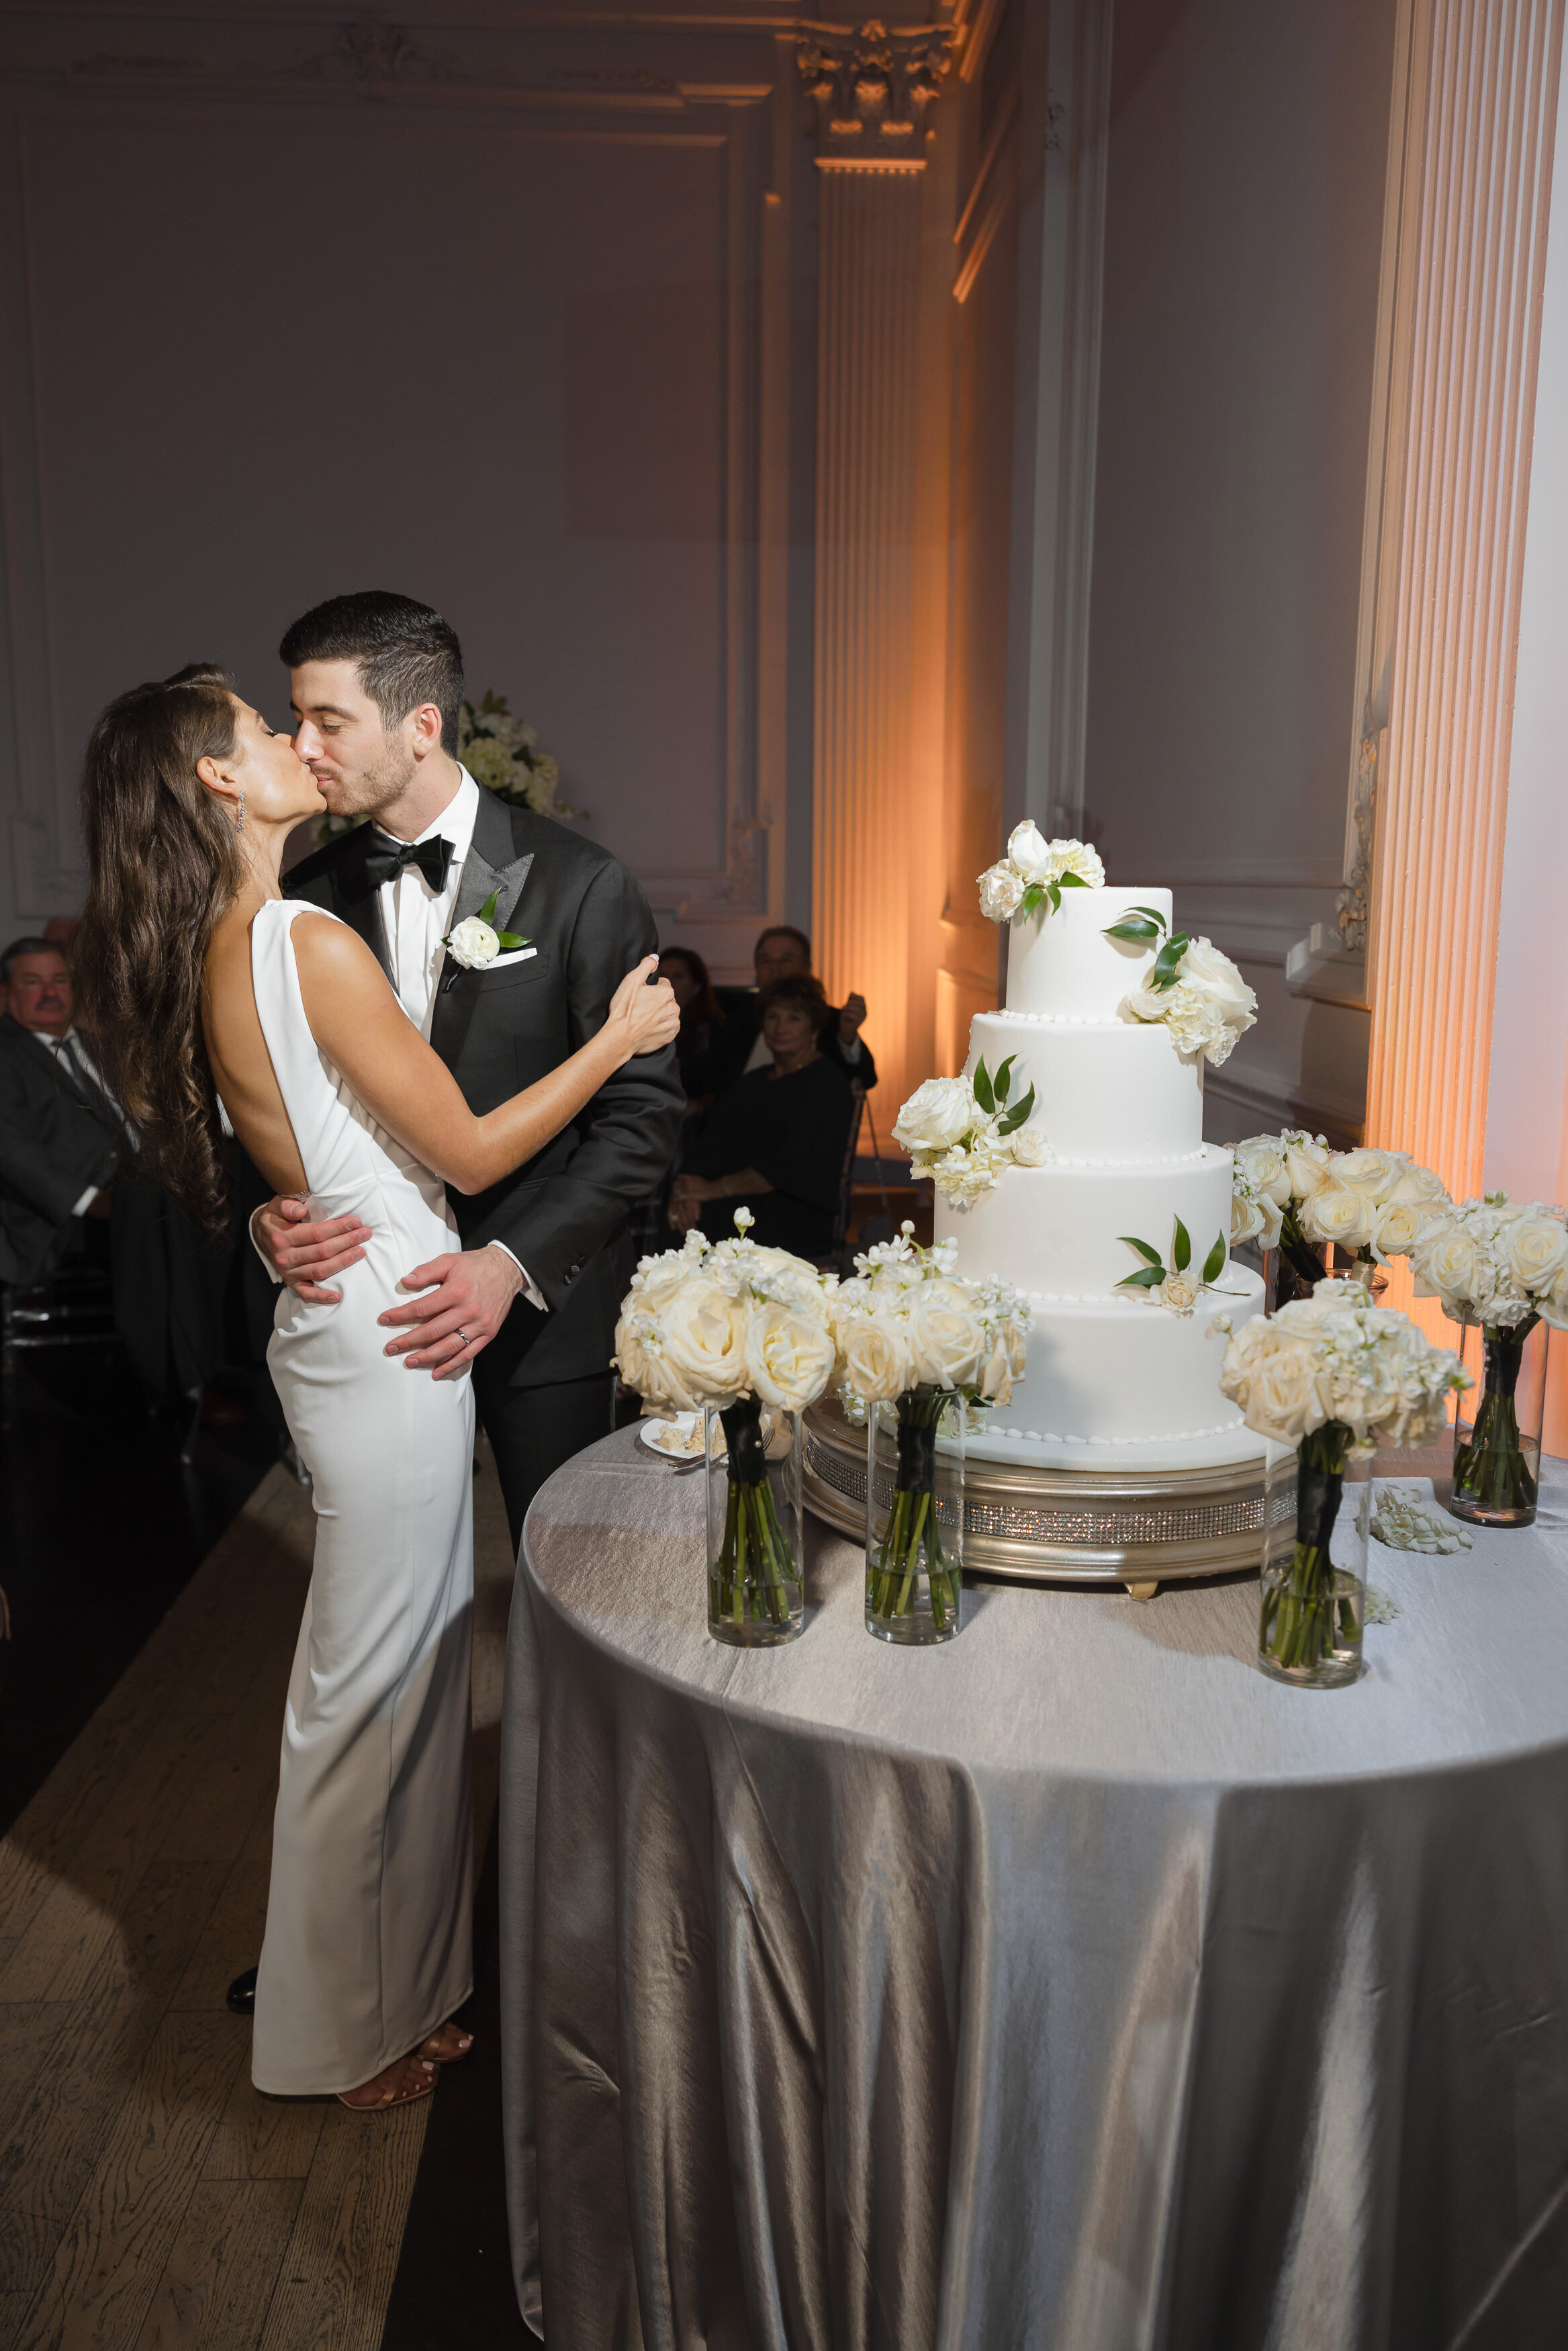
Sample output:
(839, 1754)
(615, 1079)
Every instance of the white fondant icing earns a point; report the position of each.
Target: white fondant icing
(1060, 963)
(1108, 1092)
(1057, 1230)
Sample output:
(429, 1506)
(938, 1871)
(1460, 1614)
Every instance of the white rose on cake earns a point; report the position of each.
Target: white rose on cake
(938, 1115)
(1030, 854)
(1001, 891)
(1208, 1009)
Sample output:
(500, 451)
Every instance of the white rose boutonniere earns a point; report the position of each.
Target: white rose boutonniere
(474, 943)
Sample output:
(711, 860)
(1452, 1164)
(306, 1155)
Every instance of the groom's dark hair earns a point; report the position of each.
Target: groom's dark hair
(405, 654)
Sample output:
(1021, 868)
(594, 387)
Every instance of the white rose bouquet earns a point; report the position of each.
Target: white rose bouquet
(963, 1132)
(1291, 1193)
(1194, 989)
(731, 1327)
(503, 754)
(1335, 1377)
(1500, 1266)
(1034, 873)
(910, 1334)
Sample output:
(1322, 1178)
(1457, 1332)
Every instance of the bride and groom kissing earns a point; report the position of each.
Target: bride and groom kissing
(450, 1152)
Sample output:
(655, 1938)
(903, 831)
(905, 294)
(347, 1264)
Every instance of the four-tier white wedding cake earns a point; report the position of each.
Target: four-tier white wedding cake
(1110, 1155)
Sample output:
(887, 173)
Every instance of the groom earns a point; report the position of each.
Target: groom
(530, 1302)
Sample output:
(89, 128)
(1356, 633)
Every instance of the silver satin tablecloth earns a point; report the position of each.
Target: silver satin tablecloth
(1070, 1988)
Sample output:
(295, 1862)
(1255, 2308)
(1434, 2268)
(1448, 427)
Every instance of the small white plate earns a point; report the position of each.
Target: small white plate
(678, 1439)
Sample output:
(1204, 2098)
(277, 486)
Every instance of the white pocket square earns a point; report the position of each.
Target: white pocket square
(518, 955)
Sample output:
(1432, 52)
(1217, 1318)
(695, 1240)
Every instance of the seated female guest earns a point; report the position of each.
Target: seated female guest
(777, 1141)
(701, 1014)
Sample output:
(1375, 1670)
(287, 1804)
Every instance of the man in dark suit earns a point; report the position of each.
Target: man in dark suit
(531, 1300)
(781, 953)
(60, 1140)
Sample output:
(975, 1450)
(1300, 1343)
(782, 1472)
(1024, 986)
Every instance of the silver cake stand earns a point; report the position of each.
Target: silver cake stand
(1033, 1525)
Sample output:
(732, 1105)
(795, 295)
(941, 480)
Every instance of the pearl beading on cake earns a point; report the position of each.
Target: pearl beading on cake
(1109, 1444)
(1060, 1159)
(1062, 1019)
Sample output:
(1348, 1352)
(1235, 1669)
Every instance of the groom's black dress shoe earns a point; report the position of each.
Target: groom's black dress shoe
(241, 1993)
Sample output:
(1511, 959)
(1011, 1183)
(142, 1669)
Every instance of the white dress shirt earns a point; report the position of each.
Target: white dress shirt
(415, 919)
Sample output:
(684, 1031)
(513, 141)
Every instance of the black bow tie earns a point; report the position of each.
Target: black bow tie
(385, 859)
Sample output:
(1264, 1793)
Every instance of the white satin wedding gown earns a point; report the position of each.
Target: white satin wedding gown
(368, 1926)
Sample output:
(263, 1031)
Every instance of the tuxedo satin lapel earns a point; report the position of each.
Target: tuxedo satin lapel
(489, 867)
(357, 899)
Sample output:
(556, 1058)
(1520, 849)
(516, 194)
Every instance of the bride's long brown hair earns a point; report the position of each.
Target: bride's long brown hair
(164, 862)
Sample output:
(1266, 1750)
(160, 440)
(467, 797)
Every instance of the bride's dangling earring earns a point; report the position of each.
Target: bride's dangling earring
(239, 818)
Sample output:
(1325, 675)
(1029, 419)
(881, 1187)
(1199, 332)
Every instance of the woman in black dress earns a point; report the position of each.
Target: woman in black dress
(775, 1142)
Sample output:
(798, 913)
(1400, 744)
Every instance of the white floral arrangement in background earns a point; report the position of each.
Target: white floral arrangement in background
(503, 754)
(962, 1132)
(1195, 990)
(715, 1321)
(1495, 1262)
(904, 1320)
(1291, 1189)
(1335, 1357)
(1034, 873)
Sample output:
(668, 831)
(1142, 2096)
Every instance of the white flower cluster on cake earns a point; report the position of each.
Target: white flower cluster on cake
(713, 1322)
(1376, 1204)
(1337, 1357)
(961, 1132)
(1035, 870)
(905, 1319)
(1208, 1007)
(1496, 1263)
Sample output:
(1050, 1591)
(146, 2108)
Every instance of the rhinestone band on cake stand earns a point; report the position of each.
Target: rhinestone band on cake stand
(1035, 1524)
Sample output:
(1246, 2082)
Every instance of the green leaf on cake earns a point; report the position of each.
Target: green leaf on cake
(1054, 891)
(1181, 1254)
(1144, 1250)
(1139, 924)
(1001, 1083)
(1071, 882)
(1168, 962)
(982, 1090)
(1215, 1260)
(1148, 1277)
(1033, 899)
(1017, 1116)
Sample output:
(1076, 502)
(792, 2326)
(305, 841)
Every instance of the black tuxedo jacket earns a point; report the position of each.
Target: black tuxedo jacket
(499, 1030)
(55, 1140)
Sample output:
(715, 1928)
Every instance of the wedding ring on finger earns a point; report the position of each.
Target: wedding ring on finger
(463, 1338)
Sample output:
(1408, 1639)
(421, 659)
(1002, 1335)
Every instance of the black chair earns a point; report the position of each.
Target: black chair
(73, 1307)
(840, 1259)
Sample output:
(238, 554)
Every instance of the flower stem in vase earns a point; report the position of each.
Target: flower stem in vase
(1496, 1465)
(1293, 1266)
(754, 1587)
(914, 1571)
(1311, 1621)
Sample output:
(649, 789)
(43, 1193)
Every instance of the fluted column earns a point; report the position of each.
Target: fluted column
(878, 736)
(1483, 94)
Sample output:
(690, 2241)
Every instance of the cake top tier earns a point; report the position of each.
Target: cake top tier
(1060, 964)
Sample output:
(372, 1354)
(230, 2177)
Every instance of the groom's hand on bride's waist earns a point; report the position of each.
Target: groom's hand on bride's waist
(302, 1255)
(466, 1300)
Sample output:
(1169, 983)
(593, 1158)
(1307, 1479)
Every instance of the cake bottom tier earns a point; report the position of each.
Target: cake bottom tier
(1118, 1383)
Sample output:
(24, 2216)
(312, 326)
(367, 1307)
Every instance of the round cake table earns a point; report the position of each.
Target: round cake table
(1070, 1988)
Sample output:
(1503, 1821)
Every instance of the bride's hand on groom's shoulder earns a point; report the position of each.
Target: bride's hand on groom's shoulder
(304, 1255)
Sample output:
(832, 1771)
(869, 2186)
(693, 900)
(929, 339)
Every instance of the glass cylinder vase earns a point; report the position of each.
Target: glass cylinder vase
(756, 1590)
(1314, 1598)
(1290, 1270)
(914, 1518)
(1497, 1429)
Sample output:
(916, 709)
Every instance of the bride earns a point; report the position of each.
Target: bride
(204, 983)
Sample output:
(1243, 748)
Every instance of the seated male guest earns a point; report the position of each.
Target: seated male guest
(781, 953)
(775, 1142)
(60, 1138)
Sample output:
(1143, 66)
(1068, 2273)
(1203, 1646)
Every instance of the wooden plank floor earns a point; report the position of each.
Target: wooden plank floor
(148, 2198)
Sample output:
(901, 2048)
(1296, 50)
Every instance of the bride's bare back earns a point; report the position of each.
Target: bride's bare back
(407, 1088)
